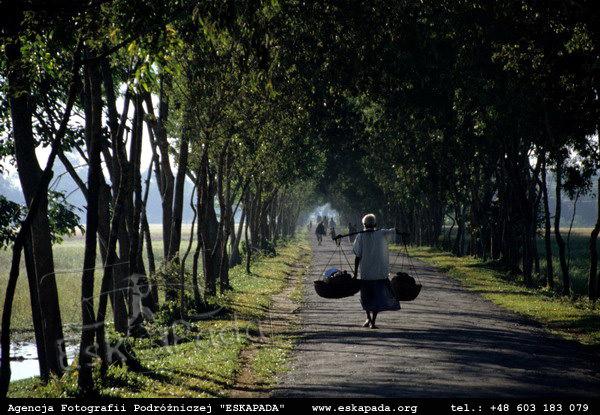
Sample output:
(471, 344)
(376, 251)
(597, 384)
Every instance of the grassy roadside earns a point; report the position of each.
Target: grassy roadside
(577, 320)
(207, 358)
(272, 357)
(266, 359)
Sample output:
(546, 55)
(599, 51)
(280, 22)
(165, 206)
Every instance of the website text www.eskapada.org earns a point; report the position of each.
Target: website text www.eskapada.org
(365, 409)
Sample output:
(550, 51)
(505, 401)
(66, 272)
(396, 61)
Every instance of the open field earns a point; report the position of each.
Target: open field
(578, 258)
(68, 261)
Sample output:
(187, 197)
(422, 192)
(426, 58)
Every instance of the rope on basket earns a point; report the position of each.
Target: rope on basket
(338, 251)
(409, 260)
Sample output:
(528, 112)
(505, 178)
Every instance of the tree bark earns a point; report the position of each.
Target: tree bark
(198, 250)
(26, 228)
(566, 289)
(460, 233)
(166, 180)
(94, 133)
(109, 259)
(248, 248)
(117, 274)
(182, 165)
(139, 290)
(208, 230)
(236, 236)
(185, 256)
(547, 230)
(114, 279)
(37, 246)
(224, 195)
(593, 274)
(149, 301)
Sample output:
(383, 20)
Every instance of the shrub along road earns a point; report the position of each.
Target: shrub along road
(449, 342)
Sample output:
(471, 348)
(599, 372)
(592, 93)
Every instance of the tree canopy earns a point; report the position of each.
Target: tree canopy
(442, 117)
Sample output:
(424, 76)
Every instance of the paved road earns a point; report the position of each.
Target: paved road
(447, 343)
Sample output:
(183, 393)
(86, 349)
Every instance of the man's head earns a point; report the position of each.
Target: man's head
(369, 221)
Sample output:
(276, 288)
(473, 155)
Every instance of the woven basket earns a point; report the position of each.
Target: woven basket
(404, 287)
(340, 285)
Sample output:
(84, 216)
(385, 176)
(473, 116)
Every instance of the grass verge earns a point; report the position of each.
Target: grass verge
(206, 359)
(577, 320)
(268, 358)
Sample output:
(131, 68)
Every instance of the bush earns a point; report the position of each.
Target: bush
(171, 311)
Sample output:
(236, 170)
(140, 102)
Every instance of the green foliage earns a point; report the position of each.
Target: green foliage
(10, 216)
(63, 219)
(167, 273)
(61, 214)
(170, 311)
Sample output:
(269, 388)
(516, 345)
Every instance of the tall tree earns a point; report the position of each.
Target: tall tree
(93, 119)
(39, 259)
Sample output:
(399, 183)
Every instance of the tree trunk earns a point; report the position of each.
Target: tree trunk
(460, 233)
(547, 231)
(248, 248)
(530, 202)
(111, 280)
(117, 297)
(94, 133)
(26, 228)
(175, 237)
(115, 271)
(197, 252)
(151, 264)
(593, 274)
(185, 256)
(236, 236)
(37, 247)
(138, 287)
(164, 173)
(224, 195)
(208, 229)
(210, 246)
(145, 227)
(566, 289)
(527, 258)
(117, 275)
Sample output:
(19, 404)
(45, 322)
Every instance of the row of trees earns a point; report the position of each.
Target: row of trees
(101, 79)
(455, 113)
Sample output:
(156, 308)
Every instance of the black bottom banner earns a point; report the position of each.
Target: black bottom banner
(302, 405)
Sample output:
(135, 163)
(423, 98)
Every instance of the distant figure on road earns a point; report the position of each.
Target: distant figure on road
(332, 233)
(371, 250)
(309, 225)
(320, 231)
(351, 229)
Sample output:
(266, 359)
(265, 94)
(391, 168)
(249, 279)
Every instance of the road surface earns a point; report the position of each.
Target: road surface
(449, 342)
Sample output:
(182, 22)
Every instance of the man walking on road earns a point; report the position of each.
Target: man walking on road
(372, 255)
(320, 231)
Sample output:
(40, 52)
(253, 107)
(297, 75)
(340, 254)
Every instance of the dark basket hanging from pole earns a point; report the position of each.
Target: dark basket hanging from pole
(339, 285)
(405, 287)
